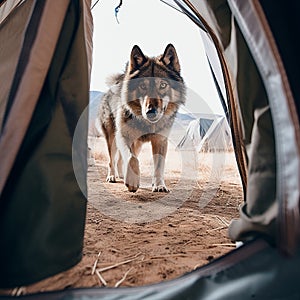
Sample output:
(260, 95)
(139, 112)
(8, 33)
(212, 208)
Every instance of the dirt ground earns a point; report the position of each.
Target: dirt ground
(141, 238)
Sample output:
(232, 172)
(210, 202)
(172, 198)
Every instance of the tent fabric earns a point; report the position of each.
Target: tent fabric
(42, 209)
(10, 53)
(6, 7)
(286, 49)
(281, 116)
(265, 106)
(204, 126)
(37, 50)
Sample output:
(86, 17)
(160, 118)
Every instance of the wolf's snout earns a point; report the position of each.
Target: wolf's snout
(151, 113)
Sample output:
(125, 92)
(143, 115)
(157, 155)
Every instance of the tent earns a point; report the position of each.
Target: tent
(208, 133)
(45, 60)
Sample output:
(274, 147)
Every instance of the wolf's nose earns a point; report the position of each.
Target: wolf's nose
(151, 113)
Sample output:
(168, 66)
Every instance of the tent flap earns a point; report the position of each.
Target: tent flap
(42, 209)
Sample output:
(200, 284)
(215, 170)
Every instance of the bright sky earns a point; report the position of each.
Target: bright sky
(151, 25)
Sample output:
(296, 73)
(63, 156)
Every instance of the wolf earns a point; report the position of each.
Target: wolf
(140, 106)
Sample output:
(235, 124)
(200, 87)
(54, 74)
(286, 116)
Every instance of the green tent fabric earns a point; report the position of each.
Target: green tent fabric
(42, 209)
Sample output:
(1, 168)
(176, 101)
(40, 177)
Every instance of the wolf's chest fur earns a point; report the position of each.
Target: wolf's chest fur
(136, 127)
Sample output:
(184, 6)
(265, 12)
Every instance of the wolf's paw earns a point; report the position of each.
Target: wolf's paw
(111, 178)
(132, 178)
(160, 188)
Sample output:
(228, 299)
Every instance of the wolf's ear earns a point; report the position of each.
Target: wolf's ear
(170, 58)
(137, 58)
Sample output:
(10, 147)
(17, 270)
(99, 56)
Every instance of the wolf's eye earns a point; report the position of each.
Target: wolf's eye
(143, 86)
(163, 85)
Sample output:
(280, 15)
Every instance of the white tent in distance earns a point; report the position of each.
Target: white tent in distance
(209, 133)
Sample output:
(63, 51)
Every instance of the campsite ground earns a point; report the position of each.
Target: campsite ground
(154, 237)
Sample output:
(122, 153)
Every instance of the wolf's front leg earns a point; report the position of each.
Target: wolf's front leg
(120, 166)
(159, 151)
(132, 174)
(112, 151)
(131, 168)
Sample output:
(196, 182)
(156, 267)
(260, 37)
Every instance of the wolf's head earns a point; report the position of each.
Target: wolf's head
(153, 86)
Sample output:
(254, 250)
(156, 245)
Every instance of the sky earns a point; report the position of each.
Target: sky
(152, 25)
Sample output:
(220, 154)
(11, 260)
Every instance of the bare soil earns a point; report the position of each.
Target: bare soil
(145, 237)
